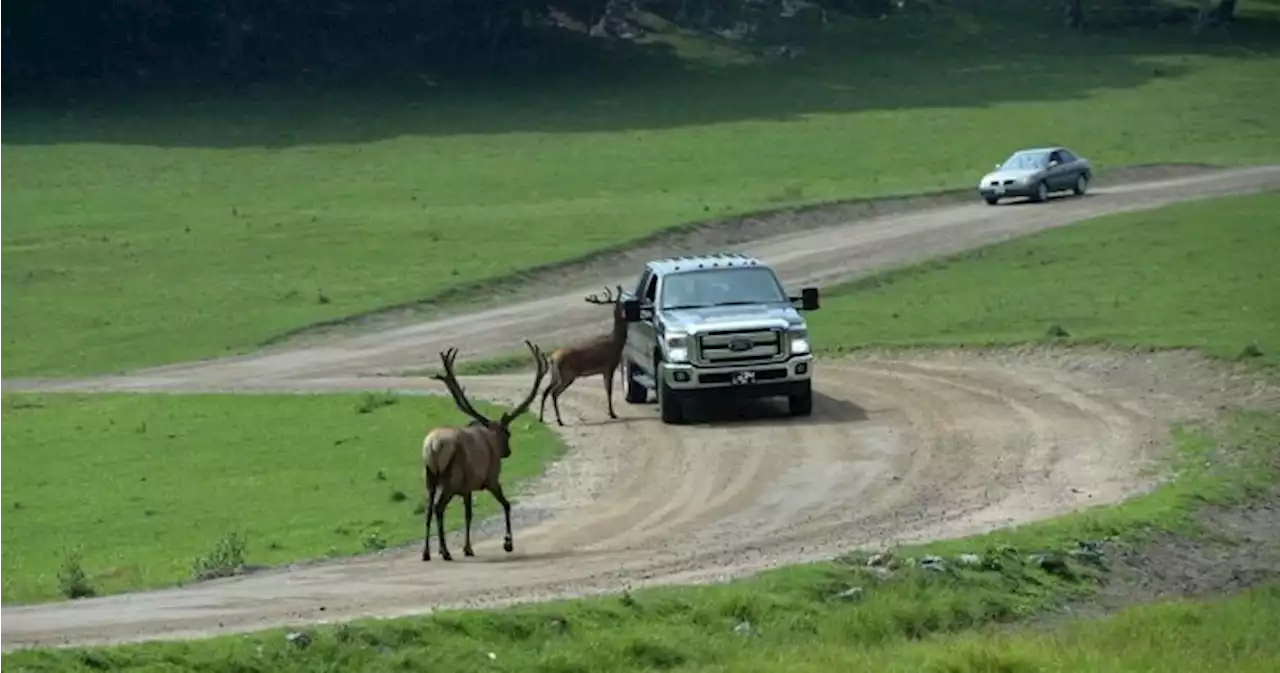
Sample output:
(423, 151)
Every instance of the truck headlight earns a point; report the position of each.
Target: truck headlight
(677, 346)
(799, 342)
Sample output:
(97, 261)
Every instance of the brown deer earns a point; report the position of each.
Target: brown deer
(462, 460)
(596, 355)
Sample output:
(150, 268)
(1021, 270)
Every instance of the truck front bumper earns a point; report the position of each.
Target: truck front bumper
(765, 379)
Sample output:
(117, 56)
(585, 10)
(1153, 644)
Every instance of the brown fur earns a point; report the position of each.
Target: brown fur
(462, 460)
(599, 354)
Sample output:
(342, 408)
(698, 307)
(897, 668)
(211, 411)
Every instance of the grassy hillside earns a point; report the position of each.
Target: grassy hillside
(141, 485)
(844, 616)
(150, 231)
(1198, 275)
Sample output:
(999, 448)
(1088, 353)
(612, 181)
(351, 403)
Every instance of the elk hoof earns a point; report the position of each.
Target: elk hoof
(446, 556)
(426, 556)
(467, 552)
(507, 546)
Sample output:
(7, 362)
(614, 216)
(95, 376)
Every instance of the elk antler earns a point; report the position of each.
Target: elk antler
(455, 389)
(607, 299)
(543, 368)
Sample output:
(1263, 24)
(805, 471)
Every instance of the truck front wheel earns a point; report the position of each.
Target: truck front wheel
(670, 403)
(801, 403)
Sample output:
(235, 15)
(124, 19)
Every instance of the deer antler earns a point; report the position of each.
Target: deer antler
(607, 299)
(543, 368)
(455, 389)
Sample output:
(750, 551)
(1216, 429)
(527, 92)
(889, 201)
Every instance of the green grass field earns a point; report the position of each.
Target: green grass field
(167, 229)
(916, 619)
(1218, 634)
(1199, 275)
(141, 485)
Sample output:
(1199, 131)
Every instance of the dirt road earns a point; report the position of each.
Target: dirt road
(900, 448)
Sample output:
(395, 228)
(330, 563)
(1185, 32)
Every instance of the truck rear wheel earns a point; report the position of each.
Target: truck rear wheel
(801, 404)
(636, 393)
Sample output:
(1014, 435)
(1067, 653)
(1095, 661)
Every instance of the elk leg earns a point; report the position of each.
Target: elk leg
(542, 407)
(507, 544)
(608, 392)
(431, 498)
(445, 496)
(466, 545)
(555, 399)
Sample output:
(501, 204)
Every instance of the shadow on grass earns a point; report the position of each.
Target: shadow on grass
(969, 55)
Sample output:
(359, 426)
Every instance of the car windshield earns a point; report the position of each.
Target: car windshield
(721, 287)
(1026, 161)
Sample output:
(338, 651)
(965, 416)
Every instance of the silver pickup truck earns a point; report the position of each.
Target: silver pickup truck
(719, 324)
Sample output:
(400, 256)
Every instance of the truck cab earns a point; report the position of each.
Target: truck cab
(719, 324)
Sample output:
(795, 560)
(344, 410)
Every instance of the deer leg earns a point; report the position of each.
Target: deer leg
(427, 512)
(608, 392)
(466, 505)
(445, 496)
(507, 544)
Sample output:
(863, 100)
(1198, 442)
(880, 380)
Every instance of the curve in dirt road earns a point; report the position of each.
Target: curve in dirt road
(900, 448)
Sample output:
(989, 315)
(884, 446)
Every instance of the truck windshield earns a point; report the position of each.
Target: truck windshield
(721, 287)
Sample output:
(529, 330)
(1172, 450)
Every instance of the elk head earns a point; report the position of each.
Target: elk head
(502, 427)
(609, 298)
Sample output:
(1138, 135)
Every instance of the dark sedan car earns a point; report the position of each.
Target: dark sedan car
(1035, 173)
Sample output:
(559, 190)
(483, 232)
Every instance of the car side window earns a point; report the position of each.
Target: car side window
(1055, 157)
(1066, 156)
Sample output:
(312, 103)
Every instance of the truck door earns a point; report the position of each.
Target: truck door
(641, 336)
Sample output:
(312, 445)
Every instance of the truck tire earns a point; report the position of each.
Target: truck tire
(635, 392)
(801, 404)
(670, 403)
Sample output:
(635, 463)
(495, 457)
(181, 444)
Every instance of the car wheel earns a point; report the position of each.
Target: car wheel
(992, 200)
(636, 393)
(1042, 192)
(1082, 184)
(801, 404)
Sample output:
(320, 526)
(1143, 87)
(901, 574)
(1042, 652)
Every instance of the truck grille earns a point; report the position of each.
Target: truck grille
(738, 347)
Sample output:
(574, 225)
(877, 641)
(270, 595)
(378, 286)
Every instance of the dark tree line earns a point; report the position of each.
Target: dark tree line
(89, 39)
(1076, 13)
(60, 41)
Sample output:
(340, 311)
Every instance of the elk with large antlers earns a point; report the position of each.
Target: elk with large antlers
(462, 460)
(596, 355)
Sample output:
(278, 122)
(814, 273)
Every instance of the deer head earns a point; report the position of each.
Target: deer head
(502, 427)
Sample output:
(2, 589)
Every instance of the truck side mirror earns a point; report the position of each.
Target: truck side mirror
(631, 310)
(809, 299)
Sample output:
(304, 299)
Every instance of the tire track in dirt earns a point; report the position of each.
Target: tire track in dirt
(901, 448)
